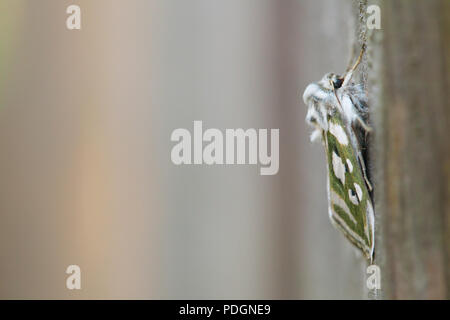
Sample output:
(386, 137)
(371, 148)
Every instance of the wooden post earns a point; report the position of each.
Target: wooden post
(409, 92)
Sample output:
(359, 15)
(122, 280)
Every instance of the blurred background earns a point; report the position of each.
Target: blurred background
(86, 176)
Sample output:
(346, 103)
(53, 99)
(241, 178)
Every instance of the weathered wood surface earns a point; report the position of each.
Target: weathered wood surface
(409, 86)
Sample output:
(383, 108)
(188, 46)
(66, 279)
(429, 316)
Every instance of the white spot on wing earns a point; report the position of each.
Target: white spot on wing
(352, 197)
(350, 166)
(338, 168)
(337, 131)
(358, 191)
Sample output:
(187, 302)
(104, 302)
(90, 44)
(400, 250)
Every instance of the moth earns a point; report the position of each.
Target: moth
(338, 113)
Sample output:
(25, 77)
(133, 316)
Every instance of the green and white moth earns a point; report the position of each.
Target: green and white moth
(338, 112)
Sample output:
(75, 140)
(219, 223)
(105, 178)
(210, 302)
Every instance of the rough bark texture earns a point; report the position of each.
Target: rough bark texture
(411, 164)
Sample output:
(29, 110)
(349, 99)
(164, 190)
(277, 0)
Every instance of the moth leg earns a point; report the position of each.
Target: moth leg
(363, 166)
(364, 125)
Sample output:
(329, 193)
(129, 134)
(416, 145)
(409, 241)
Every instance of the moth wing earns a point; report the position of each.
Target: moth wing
(350, 204)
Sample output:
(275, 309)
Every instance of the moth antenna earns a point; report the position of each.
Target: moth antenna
(363, 49)
(349, 73)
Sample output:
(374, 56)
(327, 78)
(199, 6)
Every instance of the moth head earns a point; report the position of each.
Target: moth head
(337, 81)
(322, 90)
(332, 81)
(320, 98)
